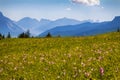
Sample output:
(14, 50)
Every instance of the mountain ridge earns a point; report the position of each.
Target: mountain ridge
(7, 25)
(62, 26)
(85, 29)
(45, 24)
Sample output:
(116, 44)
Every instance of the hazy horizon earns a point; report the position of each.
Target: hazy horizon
(76, 9)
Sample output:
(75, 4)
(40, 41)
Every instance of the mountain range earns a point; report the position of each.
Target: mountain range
(62, 26)
(85, 29)
(7, 25)
(37, 27)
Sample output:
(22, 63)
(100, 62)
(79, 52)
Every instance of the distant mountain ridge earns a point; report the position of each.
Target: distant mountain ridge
(7, 25)
(58, 22)
(27, 23)
(38, 27)
(35, 26)
(63, 26)
(85, 29)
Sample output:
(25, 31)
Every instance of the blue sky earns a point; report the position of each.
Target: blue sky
(102, 10)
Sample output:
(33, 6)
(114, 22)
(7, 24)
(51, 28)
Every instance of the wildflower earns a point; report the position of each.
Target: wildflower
(1, 60)
(22, 67)
(87, 74)
(101, 71)
(43, 77)
(82, 64)
(69, 55)
(100, 58)
(92, 69)
(35, 57)
(42, 59)
(58, 77)
(75, 68)
(89, 59)
(1, 70)
(99, 51)
(74, 63)
(64, 61)
(79, 70)
(64, 73)
(75, 75)
(117, 70)
(15, 68)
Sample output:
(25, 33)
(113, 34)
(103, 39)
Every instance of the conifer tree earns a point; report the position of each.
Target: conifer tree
(24, 34)
(48, 35)
(8, 36)
(118, 30)
(0, 36)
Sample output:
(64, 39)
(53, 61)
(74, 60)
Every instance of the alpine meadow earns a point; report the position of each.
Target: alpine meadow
(77, 58)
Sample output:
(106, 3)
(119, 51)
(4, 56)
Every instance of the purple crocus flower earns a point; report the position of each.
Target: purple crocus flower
(101, 71)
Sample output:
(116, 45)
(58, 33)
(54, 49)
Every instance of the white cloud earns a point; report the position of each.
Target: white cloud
(68, 9)
(87, 2)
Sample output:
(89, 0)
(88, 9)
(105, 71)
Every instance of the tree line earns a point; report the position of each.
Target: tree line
(24, 35)
(27, 35)
(2, 36)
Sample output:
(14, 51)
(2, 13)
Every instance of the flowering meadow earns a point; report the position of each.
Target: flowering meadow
(75, 58)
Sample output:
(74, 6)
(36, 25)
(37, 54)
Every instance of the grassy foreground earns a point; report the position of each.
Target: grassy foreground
(82, 58)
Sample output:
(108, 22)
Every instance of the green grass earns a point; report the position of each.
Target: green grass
(77, 58)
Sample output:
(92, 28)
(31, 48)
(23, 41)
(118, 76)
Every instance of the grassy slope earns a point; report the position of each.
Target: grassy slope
(61, 58)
